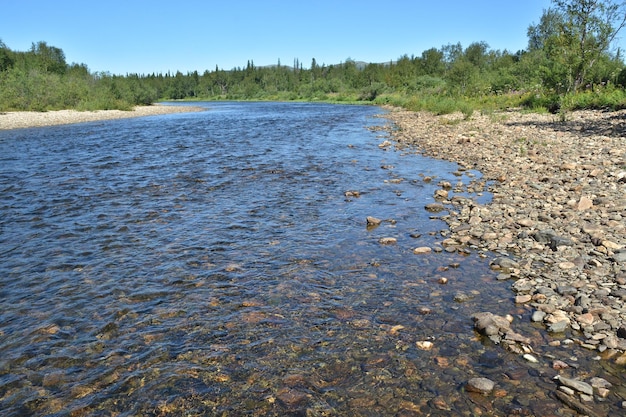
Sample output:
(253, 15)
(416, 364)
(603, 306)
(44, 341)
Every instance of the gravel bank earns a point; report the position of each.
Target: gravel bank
(556, 228)
(19, 120)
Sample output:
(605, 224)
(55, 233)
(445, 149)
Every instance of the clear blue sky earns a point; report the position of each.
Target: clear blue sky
(145, 36)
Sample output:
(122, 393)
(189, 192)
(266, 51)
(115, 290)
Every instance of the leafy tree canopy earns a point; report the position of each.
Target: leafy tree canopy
(569, 51)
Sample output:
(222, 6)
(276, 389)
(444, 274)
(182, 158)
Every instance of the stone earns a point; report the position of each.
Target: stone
(461, 297)
(424, 345)
(480, 385)
(503, 262)
(516, 337)
(567, 166)
(439, 403)
(621, 360)
(489, 236)
(583, 301)
(575, 384)
(558, 327)
(567, 265)
(592, 229)
(441, 194)
(611, 342)
(523, 299)
(556, 316)
(434, 207)
(422, 250)
(603, 392)
(538, 316)
(450, 242)
(597, 382)
(490, 324)
(558, 365)
(530, 358)
(387, 240)
(586, 319)
(474, 220)
(373, 221)
(292, 397)
(550, 238)
(584, 203)
(611, 245)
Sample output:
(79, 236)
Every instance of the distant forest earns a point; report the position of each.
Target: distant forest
(569, 64)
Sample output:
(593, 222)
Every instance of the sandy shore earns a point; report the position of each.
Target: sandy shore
(19, 120)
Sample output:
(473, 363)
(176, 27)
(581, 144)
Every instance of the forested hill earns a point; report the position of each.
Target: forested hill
(569, 63)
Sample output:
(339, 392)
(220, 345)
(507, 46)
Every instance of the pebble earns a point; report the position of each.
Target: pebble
(422, 250)
(480, 385)
(424, 345)
(557, 364)
(556, 217)
(538, 316)
(530, 358)
(575, 384)
(567, 265)
(434, 207)
(558, 327)
(373, 221)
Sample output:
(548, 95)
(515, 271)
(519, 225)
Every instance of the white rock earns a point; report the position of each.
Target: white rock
(530, 358)
(424, 345)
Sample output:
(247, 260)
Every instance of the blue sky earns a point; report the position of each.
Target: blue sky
(145, 36)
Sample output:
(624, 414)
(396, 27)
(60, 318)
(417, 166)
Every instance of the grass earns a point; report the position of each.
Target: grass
(442, 103)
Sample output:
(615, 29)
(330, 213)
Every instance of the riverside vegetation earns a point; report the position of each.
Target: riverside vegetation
(568, 64)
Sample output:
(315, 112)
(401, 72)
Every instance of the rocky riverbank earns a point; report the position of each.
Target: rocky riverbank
(555, 228)
(24, 119)
(557, 222)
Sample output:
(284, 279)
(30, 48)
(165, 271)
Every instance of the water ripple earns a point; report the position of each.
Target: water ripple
(211, 263)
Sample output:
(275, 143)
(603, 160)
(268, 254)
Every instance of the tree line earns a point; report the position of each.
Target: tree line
(569, 63)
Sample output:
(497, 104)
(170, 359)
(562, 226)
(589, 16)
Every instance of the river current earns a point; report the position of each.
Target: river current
(219, 263)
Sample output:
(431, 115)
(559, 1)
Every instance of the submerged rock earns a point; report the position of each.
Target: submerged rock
(498, 329)
(575, 384)
(480, 385)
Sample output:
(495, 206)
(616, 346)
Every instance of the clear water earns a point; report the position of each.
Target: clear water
(211, 264)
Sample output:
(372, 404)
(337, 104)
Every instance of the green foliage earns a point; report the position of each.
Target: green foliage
(48, 58)
(542, 102)
(567, 65)
(6, 57)
(604, 97)
(574, 39)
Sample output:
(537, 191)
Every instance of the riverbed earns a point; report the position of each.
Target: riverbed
(221, 263)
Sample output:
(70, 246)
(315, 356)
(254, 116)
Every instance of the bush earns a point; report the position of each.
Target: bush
(370, 93)
(538, 101)
(604, 97)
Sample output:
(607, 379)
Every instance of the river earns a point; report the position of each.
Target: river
(219, 263)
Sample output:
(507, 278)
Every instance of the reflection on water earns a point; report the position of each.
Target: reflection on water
(212, 264)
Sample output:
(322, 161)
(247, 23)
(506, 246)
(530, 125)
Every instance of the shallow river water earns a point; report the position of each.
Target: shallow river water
(212, 264)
